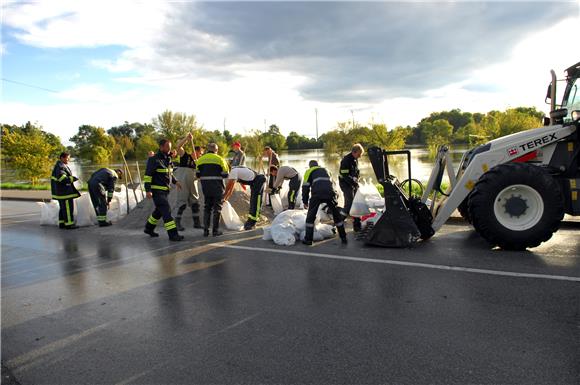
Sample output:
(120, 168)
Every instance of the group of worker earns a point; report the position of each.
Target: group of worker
(217, 178)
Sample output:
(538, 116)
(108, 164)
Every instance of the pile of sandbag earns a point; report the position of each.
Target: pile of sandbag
(290, 225)
(84, 211)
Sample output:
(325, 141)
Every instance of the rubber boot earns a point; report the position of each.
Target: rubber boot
(342, 234)
(150, 230)
(356, 225)
(104, 224)
(174, 235)
(249, 225)
(206, 223)
(308, 236)
(216, 224)
(196, 223)
(178, 224)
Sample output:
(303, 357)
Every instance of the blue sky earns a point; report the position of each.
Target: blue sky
(276, 62)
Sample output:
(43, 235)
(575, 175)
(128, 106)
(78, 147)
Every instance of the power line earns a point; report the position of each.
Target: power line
(29, 85)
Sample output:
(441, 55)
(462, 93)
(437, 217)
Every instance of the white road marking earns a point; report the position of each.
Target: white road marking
(409, 264)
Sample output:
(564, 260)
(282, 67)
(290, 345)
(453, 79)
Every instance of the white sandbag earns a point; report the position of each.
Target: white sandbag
(276, 204)
(283, 234)
(231, 218)
(84, 211)
(325, 230)
(366, 200)
(321, 231)
(49, 213)
(322, 215)
(267, 236)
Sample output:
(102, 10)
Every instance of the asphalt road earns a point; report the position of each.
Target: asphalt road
(111, 306)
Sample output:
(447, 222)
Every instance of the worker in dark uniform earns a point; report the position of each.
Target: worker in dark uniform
(211, 169)
(64, 191)
(158, 177)
(188, 195)
(317, 180)
(287, 173)
(273, 160)
(348, 181)
(101, 189)
(248, 177)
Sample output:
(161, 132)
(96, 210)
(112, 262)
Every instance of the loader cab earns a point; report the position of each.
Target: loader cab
(568, 94)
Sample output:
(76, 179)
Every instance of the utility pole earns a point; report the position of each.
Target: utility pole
(265, 127)
(316, 115)
(352, 113)
(224, 124)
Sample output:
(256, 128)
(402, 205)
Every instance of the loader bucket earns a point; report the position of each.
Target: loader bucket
(396, 227)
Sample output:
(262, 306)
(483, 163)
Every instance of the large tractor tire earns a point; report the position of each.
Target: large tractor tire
(516, 206)
(463, 209)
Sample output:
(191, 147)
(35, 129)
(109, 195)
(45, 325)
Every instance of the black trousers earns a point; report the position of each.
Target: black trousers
(313, 205)
(294, 186)
(99, 200)
(212, 208)
(349, 192)
(256, 192)
(162, 210)
(271, 181)
(66, 213)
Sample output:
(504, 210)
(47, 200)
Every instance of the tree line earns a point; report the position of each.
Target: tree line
(30, 150)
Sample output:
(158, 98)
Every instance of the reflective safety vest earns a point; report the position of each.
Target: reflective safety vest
(159, 173)
(61, 182)
(211, 169)
(317, 180)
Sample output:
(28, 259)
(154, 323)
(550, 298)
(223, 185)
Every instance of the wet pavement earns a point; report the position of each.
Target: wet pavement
(112, 306)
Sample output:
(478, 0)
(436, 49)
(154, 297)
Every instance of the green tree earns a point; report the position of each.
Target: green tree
(145, 144)
(175, 125)
(274, 138)
(86, 141)
(30, 151)
(437, 133)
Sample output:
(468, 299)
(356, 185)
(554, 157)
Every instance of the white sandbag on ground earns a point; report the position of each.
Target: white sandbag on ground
(49, 213)
(84, 211)
(231, 218)
(290, 225)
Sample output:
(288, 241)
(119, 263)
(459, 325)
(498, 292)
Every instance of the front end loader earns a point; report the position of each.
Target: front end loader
(514, 190)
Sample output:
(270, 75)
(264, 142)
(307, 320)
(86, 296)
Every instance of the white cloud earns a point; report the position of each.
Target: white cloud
(255, 91)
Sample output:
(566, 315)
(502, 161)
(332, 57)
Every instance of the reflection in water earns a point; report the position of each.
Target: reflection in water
(72, 262)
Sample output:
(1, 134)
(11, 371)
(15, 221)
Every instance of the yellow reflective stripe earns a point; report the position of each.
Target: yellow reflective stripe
(65, 196)
(170, 225)
(58, 179)
(257, 216)
(211, 158)
(163, 170)
(68, 214)
(344, 171)
(155, 187)
(152, 220)
(147, 179)
(101, 218)
(292, 195)
(307, 174)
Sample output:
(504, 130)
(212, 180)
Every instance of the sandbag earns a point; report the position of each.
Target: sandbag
(231, 218)
(276, 204)
(84, 211)
(267, 233)
(366, 200)
(283, 234)
(49, 213)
